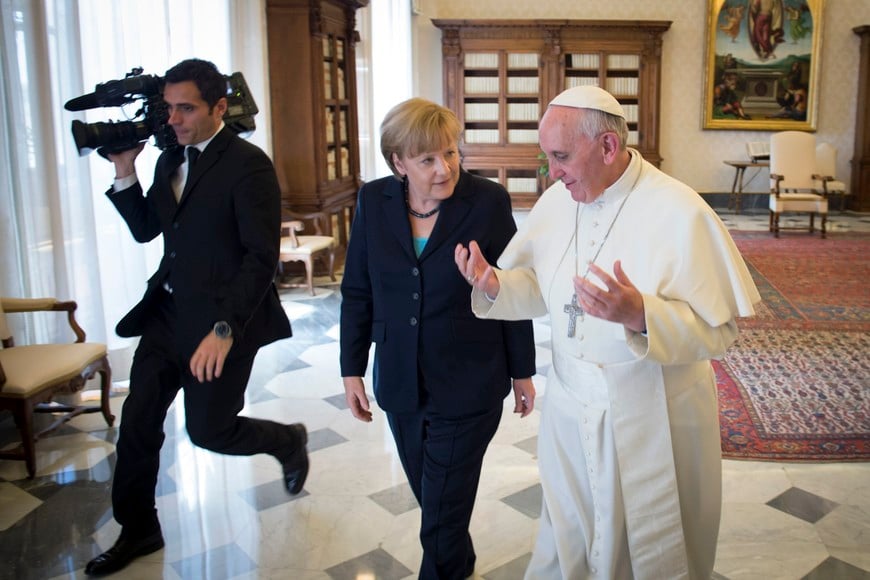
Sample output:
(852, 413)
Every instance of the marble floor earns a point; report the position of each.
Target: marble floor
(229, 517)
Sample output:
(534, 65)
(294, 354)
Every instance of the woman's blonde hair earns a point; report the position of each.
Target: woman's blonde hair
(416, 126)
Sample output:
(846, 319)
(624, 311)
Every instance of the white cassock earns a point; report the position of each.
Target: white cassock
(629, 450)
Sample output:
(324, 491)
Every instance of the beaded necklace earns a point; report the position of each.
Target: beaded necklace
(411, 210)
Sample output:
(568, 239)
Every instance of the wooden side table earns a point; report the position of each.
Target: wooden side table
(737, 186)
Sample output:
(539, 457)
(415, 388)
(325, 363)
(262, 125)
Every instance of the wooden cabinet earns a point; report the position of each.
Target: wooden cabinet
(312, 75)
(499, 76)
(860, 187)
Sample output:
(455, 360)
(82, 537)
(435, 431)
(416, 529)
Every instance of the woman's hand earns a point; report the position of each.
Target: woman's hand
(524, 396)
(357, 400)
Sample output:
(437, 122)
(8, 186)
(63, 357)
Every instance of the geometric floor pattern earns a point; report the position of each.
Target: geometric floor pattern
(229, 517)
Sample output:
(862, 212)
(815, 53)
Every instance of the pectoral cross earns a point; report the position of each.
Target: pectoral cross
(573, 310)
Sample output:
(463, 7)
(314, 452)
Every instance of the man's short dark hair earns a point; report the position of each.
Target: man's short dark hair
(208, 79)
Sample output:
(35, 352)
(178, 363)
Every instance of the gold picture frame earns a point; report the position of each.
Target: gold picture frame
(762, 66)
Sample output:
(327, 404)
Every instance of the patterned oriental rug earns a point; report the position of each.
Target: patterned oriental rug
(796, 384)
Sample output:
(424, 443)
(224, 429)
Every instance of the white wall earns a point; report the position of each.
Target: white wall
(690, 153)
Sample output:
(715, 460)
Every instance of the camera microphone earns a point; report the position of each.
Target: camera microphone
(83, 103)
(117, 93)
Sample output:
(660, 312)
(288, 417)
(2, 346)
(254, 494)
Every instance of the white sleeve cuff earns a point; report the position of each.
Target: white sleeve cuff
(125, 182)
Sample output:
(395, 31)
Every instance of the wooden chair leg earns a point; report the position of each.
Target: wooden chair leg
(309, 274)
(332, 264)
(23, 414)
(105, 393)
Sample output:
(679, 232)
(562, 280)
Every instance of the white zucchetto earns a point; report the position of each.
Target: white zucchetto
(589, 97)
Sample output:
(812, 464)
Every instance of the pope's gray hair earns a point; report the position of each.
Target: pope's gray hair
(596, 122)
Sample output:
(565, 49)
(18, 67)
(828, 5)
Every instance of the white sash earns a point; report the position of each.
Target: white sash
(639, 413)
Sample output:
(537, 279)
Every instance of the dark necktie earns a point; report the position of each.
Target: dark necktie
(174, 159)
(192, 156)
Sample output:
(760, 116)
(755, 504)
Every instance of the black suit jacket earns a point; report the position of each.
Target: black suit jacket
(418, 311)
(220, 244)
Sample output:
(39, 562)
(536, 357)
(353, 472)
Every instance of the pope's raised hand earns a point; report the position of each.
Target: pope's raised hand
(618, 301)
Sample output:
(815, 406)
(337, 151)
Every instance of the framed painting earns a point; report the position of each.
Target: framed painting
(762, 68)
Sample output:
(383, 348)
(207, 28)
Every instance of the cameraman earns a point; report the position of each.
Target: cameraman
(206, 311)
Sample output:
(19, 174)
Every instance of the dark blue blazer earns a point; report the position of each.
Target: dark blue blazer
(220, 244)
(417, 311)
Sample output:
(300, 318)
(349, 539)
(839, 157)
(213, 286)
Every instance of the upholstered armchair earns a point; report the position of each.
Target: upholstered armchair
(32, 375)
(826, 168)
(795, 184)
(306, 248)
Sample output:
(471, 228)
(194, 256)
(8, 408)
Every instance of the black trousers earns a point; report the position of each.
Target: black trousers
(211, 415)
(442, 457)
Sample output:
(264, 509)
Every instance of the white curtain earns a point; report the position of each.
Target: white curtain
(59, 235)
(45, 234)
(383, 75)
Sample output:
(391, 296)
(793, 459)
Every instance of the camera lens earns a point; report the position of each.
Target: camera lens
(108, 137)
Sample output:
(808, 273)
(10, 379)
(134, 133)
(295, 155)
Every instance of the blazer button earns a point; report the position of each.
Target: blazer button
(172, 254)
(415, 295)
(413, 321)
(415, 271)
(174, 225)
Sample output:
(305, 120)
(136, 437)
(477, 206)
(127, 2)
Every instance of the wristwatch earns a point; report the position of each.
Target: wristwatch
(222, 329)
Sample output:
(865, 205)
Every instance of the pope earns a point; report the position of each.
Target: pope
(643, 284)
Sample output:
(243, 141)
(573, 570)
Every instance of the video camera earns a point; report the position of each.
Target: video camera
(153, 117)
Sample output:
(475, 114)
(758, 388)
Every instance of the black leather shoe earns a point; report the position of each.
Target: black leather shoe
(296, 466)
(122, 553)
